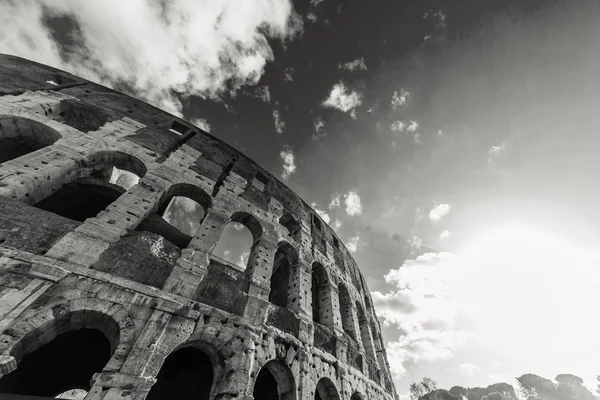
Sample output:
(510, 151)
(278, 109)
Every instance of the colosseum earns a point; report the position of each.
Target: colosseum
(102, 297)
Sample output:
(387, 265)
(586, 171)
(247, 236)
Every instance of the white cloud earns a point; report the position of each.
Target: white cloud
(399, 99)
(353, 204)
(288, 74)
(162, 51)
(352, 244)
(319, 124)
(413, 126)
(322, 213)
(343, 99)
(337, 224)
(438, 212)
(358, 64)
(201, 123)
(243, 260)
(397, 126)
(415, 242)
(289, 166)
(494, 152)
(311, 17)
(263, 93)
(465, 369)
(335, 201)
(278, 122)
(445, 235)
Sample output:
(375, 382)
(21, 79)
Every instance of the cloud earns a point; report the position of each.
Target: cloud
(438, 212)
(353, 205)
(288, 74)
(494, 152)
(263, 93)
(278, 122)
(412, 126)
(243, 260)
(160, 51)
(322, 213)
(397, 126)
(445, 235)
(335, 201)
(337, 224)
(352, 244)
(289, 166)
(319, 124)
(201, 123)
(399, 99)
(343, 99)
(465, 369)
(358, 64)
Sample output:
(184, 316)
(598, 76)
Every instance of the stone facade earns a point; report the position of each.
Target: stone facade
(85, 263)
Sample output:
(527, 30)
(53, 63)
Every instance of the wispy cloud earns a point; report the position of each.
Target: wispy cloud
(412, 126)
(397, 126)
(399, 99)
(438, 212)
(319, 125)
(337, 224)
(201, 123)
(445, 235)
(263, 93)
(161, 51)
(278, 122)
(352, 243)
(343, 99)
(288, 74)
(322, 213)
(353, 203)
(465, 369)
(358, 64)
(336, 201)
(289, 165)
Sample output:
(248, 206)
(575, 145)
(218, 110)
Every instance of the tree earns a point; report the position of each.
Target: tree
(418, 389)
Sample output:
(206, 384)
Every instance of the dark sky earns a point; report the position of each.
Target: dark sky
(424, 131)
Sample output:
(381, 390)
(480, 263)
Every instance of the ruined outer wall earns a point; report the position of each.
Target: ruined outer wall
(57, 274)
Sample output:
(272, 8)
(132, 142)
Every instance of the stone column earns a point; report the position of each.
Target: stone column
(260, 267)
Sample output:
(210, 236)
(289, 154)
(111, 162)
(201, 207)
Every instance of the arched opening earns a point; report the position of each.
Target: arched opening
(321, 295)
(285, 257)
(66, 363)
(96, 188)
(346, 310)
(20, 136)
(356, 396)
(275, 381)
(365, 334)
(326, 390)
(178, 215)
(186, 374)
(368, 304)
(238, 239)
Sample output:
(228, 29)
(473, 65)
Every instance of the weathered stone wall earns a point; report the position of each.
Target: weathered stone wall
(115, 270)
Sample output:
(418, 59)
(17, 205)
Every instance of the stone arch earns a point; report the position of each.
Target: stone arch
(326, 390)
(356, 396)
(275, 381)
(231, 238)
(178, 214)
(346, 312)
(289, 222)
(27, 335)
(365, 334)
(20, 136)
(94, 187)
(250, 222)
(191, 371)
(321, 295)
(285, 258)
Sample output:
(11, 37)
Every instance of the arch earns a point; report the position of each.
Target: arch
(292, 225)
(99, 185)
(368, 305)
(321, 295)
(346, 313)
(20, 136)
(178, 215)
(326, 390)
(365, 334)
(187, 373)
(66, 362)
(275, 381)
(285, 257)
(250, 222)
(356, 396)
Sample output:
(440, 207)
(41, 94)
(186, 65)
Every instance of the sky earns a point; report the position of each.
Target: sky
(452, 146)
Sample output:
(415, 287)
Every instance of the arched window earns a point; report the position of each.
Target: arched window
(356, 396)
(365, 335)
(20, 136)
(275, 381)
(66, 363)
(321, 295)
(285, 257)
(178, 215)
(346, 310)
(186, 374)
(93, 192)
(326, 390)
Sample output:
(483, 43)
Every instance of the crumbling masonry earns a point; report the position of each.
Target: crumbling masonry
(99, 293)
